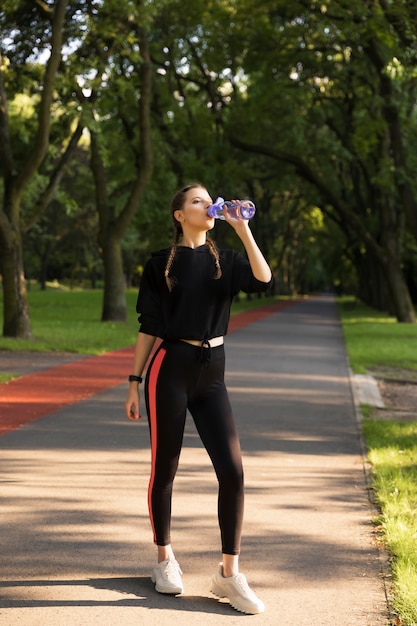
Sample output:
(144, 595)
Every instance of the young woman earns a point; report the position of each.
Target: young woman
(184, 299)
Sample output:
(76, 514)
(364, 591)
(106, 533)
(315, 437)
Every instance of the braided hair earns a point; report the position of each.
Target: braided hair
(177, 204)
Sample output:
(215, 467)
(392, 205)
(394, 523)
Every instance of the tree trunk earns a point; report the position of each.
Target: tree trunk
(372, 287)
(112, 226)
(16, 319)
(392, 106)
(114, 297)
(390, 258)
(403, 308)
(382, 282)
(114, 305)
(44, 257)
(16, 310)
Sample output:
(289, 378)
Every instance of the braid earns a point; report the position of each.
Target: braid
(215, 254)
(177, 203)
(177, 233)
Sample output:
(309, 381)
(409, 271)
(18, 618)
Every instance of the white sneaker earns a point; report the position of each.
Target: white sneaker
(167, 577)
(237, 590)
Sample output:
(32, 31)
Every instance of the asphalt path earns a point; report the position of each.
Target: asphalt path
(76, 545)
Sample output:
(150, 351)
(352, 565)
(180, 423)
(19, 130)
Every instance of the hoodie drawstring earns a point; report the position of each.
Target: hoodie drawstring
(205, 353)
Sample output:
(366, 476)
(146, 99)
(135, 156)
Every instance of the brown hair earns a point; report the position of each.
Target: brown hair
(177, 204)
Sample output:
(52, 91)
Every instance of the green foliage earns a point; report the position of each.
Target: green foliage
(309, 81)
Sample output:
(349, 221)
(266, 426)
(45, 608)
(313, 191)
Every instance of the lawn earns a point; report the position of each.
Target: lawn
(392, 451)
(375, 342)
(69, 321)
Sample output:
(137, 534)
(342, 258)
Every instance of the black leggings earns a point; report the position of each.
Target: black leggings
(180, 377)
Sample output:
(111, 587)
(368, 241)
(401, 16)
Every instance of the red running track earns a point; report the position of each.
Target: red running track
(34, 396)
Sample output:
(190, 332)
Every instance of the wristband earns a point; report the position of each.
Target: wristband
(135, 379)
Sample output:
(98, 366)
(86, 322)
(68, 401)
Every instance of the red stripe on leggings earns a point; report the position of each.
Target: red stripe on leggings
(153, 378)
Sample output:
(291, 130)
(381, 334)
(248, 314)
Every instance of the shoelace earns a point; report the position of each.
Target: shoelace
(172, 568)
(243, 584)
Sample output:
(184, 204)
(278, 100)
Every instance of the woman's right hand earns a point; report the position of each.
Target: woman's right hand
(132, 403)
(143, 349)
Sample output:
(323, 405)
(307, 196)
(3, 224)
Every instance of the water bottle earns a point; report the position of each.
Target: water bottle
(238, 209)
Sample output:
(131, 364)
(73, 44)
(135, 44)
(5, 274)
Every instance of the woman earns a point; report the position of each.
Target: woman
(184, 299)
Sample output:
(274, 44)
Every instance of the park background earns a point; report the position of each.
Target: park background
(307, 107)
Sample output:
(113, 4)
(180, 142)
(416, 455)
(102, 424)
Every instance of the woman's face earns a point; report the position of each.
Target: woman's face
(194, 211)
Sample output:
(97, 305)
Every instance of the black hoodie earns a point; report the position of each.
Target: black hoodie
(198, 307)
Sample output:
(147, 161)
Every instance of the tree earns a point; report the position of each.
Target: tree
(341, 139)
(296, 105)
(115, 78)
(17, 176)
(103, 42)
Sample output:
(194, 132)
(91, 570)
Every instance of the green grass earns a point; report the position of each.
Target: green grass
(392, 450)
(4, 378)
(69, 321)
(375, 341)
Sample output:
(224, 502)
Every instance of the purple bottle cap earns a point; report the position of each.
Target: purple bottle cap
(215, 207)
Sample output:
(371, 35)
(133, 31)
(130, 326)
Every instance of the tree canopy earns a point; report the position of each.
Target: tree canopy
(308, 108)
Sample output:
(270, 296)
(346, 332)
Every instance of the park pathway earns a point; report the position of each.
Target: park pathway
(76, 542)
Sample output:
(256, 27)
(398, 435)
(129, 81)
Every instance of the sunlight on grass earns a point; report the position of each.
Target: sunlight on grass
(4, 378)
(69, 321)
(392, 450)
(373, 339)
(405, 574)
(66, 320)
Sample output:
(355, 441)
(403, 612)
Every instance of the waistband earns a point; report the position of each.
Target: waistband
(206, 347)
(205, 343)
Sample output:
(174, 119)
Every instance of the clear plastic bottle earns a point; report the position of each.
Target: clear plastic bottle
(238, 209)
